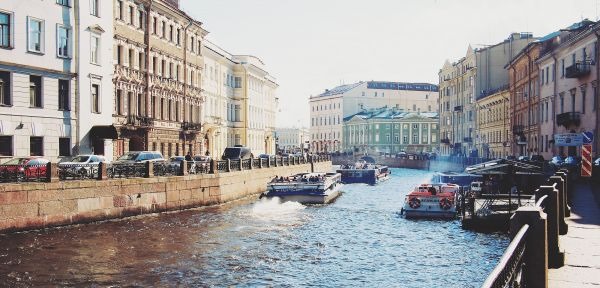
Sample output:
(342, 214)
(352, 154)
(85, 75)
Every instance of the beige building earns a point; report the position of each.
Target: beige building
(493, 122)
(158, 67)
(291, 140)
(241, 102)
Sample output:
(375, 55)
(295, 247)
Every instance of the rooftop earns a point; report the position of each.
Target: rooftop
(390, 114)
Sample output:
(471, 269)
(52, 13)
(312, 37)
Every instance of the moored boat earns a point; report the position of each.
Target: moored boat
(305, 188)
(363, 172)
(431, 201)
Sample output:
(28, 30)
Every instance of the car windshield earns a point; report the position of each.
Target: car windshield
(80, 159)
(129, 156)
(16, 161)
(231, 153)
(177, 158)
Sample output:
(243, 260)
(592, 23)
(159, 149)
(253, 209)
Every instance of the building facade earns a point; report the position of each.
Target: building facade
(525, 99)
(479, 74)
(291, 140)
(241, 102)
(390, 130)
(52, 89)
(158, 65)
(328, 109)
(569, 93)
(493, 122)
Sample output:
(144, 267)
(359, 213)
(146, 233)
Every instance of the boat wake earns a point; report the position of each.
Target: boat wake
(268, 208)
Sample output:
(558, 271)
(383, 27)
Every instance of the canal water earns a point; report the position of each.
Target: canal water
(358, 241)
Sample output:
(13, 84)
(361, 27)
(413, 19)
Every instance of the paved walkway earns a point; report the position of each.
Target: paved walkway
(582, 242)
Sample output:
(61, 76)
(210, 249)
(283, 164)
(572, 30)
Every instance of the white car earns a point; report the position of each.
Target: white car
(81, 166)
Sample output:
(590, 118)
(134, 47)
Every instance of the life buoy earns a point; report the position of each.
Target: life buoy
(414, 203)
(445, 203)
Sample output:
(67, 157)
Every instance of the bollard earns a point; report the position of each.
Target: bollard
(183, 169)
(536, 257)
(214, 168)
(556, 257)
(102, 173)
(51, 172)
(149, 169)
(228, 168)
(563, 228)
(565, 176)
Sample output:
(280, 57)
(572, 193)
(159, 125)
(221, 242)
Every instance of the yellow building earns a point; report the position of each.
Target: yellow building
(493, 123)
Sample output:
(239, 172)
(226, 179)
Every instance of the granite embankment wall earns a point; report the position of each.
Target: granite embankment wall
(27, 206)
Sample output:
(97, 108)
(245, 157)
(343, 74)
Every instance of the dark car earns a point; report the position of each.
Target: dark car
(23, 168)
(139, 157)
(266, 156)
(597, 162)
(524, 158)
(537, 158)
(510, 157)
(557, 161)
(234, 153)
(571, 162)
(175, 162)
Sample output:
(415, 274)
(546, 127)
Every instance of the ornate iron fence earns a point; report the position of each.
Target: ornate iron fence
(77, 171)
(198, 167)
(256, 162)
(272, 161)
(235, 165)
(222, 165)
(129, 170)
(246, 164)
(509, 271)
(166, 168)
(23, 173)
(279, 161)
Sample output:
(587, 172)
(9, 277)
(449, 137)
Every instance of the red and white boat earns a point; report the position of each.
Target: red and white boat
(431, 201)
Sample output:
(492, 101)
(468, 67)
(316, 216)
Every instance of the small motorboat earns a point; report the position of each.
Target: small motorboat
(363, 172)
(431, 201)
(305, 188)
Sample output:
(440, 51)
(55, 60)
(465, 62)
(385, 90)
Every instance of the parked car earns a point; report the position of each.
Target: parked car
(201, 164)
(557, 161)
(597, 162)
(571, 162)
(510, 157)
(80, 166)
(175, 162)
(537, 158)
(266, 156)
(24, 168)
(234, 153)
(139, 157)
(524, 158)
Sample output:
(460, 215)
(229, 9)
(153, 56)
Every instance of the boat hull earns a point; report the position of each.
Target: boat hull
(306, 196)
(367, 176)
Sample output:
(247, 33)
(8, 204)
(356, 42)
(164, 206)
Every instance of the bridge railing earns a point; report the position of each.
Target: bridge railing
(535, 231)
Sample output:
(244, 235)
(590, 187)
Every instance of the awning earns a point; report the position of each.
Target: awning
(104, 132)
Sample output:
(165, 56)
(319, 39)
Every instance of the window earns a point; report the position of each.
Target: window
(164, 29)
(131, 15)
(95, 98)
(141, 61)
(5, 34)
(6, 146)
(35, 35)
(583, 101)
(547, 74)
(130, 106)
(63, 94)
(35, 91)
(404, 139)
(562, 103)
(120, 9)
(36, 146)
(119, 101)
(95, 49)
(141, 21)
(415, 139)
(63, 2)
(171, 33)
(64, 146)
(178, 36)
(94, 8)
(131, 58)
(119, 55)
(5, 91)
(562, 68)
(236, 114)
(238, 82)
(62, 41)
(140, 104)
(154, 24)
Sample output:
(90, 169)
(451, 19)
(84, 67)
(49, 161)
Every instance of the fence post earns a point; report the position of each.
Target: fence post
(214, 167)
(276, 161)
(260, 166)
(563, 228)
(556, 258)
(102, 171)
(228, 168)
(312, 164)
(565, 176)
(536, 244)
(252, 162)
(241, 164)
(149, 169)
(51, 172)
(183, 170)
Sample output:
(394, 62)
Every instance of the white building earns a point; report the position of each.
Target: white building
(240, 102)
(292, 139)
(328, 109)
(38, 64)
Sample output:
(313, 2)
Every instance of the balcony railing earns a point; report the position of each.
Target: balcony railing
(568, 119)
(191, 127)
(517, 129)
(578, 70)
(139, 121)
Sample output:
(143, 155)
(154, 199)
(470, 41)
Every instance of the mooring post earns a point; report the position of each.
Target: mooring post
(102, 171)
(229, 165)
(556, 257)
(149, 171)
(559, 183)
(214, 167)
(51, 172)
(183, 169)
(565, 176)
(536, 244)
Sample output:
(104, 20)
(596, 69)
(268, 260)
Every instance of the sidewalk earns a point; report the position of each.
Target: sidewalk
(582, 242)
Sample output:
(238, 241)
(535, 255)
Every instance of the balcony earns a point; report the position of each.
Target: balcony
(191, 127)
(445, 141)
(458, 108)
(468, 140)
(568, 119)
(518, 129)
(139, 121)
(578, 70)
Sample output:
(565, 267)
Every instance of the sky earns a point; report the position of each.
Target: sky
(313, 45)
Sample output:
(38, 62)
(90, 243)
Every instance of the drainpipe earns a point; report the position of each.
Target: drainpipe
(553, 100)
(78, 79)
(147, 66)
(513, 103)
(185, 79)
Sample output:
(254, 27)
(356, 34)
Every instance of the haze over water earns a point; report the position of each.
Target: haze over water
(360, 240)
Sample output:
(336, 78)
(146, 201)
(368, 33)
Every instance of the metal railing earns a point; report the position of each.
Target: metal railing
(78, 171)
(509, 271)
(131, 170)
(235, 165)
(196, 167)
(247, 164)
(23, 173)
